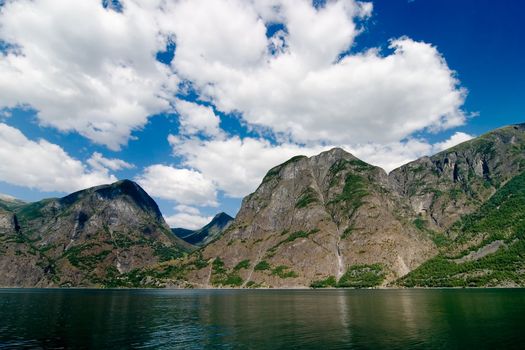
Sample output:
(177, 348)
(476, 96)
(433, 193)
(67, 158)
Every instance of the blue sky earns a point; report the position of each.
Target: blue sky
(196, 100)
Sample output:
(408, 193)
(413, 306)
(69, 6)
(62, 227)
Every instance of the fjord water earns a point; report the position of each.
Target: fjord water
(262, 319)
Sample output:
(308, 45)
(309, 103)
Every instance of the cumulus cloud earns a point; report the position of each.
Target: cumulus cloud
(456, 139)
(312, 89)
(187, 217)
(184, 186)
(93, 70)
(195, 118)
(85, 68)
(44, 166)
(99, 162)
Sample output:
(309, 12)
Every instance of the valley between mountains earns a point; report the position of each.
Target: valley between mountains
(455, 219)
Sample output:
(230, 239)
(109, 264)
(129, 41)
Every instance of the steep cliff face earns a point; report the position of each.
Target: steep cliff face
(455, 182)
(313, 218)
(87, 238)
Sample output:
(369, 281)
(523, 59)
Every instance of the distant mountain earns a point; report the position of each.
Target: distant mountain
(9, 202)
(88, 238)
(206, 234)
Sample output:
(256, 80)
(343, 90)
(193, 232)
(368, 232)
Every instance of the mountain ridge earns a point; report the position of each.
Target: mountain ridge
(331, 220)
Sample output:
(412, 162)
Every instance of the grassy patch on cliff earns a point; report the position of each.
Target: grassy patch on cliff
(439, 239)
(262, 266)
(308, 197)
(31, 211)
(283, 271)
(79, 256)
(354, 190)
(274, 172)
(242, 265)
(292, 237)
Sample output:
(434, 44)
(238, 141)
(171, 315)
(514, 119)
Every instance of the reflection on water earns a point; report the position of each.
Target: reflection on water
(267, 319)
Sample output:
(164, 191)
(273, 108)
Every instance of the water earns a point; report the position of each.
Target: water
(265, 319)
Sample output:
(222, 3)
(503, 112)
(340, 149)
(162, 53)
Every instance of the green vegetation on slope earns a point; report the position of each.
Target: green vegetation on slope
(262, 266)
(354, 190)
(357, 276)
(284, 271)
(291, 237)
(308, 197)
(362, 276)
(501, 218)
(222, 277)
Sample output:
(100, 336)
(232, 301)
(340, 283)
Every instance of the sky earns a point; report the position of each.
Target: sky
(196, 99)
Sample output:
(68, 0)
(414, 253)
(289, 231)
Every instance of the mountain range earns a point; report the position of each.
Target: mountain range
(455, 219)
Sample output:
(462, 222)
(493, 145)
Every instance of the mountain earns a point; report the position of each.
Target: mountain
(455, 182)
(206, 234)
(88, 238)
(334, 220)
(480, 203)
(9, 202)
(312, 218)
(456, 218)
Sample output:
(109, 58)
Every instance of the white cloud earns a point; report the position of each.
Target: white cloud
(391, 155)
(454, 140)
(305, 90)
(93, 70)
(187, 217)
(42, 165)
(195, 118)
(85, 68)
(99, 162)
(184, 186)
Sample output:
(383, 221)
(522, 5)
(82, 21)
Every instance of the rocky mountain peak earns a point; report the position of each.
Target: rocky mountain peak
(221, 217)
(122, 190)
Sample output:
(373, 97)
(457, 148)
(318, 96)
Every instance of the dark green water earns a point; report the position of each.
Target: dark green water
(267, 319)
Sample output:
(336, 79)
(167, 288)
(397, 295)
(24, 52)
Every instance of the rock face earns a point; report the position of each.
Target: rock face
(455, 182)
(206, 234)
(312, 218)
(334, 220)
(84, 239)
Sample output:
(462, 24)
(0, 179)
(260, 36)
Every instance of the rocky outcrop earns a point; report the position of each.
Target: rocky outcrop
(85, 239)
